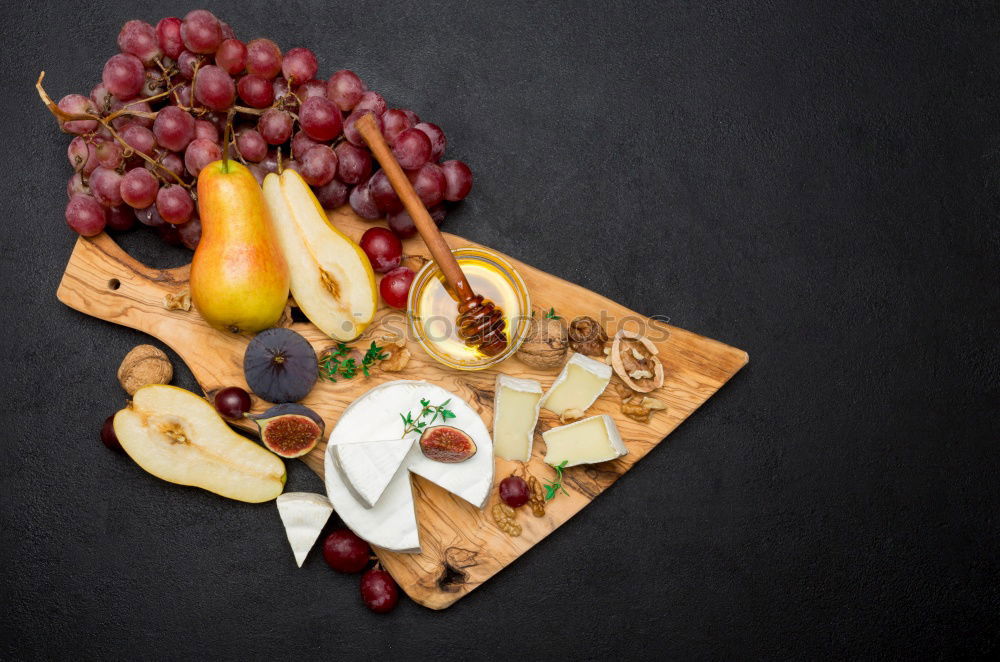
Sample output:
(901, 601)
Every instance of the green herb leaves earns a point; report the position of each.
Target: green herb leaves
(418, 423)
(553, 487)
(338, 362)
(551, 315)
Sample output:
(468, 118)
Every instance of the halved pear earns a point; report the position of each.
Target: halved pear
(177, 436)
(331, 278)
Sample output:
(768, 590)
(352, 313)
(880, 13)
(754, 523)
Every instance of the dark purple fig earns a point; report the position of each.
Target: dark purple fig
(289, 430)
(280, 365)
(444, 443)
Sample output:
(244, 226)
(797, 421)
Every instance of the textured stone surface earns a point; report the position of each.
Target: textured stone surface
(814, 184)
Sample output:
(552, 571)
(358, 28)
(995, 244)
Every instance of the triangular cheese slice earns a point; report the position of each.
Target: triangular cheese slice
(304, 514)
(368, 466)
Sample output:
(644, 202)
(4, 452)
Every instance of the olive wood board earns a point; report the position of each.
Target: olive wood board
(461, 545)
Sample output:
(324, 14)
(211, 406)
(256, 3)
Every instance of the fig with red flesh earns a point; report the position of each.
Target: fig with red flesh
(443, 443)
(289, 430)
(280, 365)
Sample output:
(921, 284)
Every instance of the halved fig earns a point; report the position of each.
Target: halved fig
(443, 443)
(289, 430)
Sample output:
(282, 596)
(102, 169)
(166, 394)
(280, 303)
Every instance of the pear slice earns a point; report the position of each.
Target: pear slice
(177, 436)
(331, 278)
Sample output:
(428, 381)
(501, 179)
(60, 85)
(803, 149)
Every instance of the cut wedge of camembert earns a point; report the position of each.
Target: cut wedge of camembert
(304, 514)
(515, 413)
(594, 439)
(391, 522)
(581, 381)
(368, 466)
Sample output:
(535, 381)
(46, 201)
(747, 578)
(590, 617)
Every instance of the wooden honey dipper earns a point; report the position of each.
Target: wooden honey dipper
(480, 321)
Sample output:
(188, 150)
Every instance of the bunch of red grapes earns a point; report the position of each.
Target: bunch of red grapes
(160, 114)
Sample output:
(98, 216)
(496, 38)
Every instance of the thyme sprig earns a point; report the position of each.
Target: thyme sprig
(411, 423)
(552, 314)
(336, 362)
(553, 487)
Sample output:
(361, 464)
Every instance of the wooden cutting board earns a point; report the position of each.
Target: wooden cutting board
(461, 545)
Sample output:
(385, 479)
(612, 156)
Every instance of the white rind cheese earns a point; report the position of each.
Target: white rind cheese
(580, 383)
(368, 466)
(594, 439)
(515, 414)
(391, 522)
(304, 514)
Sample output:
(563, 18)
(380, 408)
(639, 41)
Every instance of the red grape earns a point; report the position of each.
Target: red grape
(395, 286)
(429, 183)
(514, 491)
(109, 153)
(383, 248)
(299, 65)
(120, 218)
(345, 89)
(330, 196)
(383, 193)
(436, 136)
(232, 402)
(154, 82)
(270, 162)
(378, 590)
(190, 232)
(105, 185)
(122, 121)
(231, 56)
(251, 145)
(173, 128)
(414, 120)
(372, 101)
(78, 104)
(401, 223)
(412, 149)
(185, 64)
(168, 34)
(275, 126)
(258, 173)
(85, 215)
(182, 95)
(77, 185)
(199, 153)
(138, 38)
(108, 436)
(172, 162)
(438, 213)
(312, 88)
(174, 204)
(214, 88)
(291, 165)
(363, 203)
(169, 234)
(201, 31)
(139, 188)
(318, 165)
(263, 58)
(283, 94)
(256, 91)
(346, 552)
(149, 216)
(139, 138)
(82, 155)
(458, 180)
(354, 164)
(102, 98)
(351, 133)
(227, 30)
(123, 75)
(300, 143)
(394, 122)
(205, 130)
(320, 118)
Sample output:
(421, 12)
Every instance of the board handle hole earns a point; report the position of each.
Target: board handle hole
(114, 284)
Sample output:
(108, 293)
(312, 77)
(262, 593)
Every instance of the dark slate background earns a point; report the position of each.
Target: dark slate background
(815, 184)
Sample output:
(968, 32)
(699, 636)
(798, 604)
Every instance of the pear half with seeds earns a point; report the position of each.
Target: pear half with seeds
(179, 437)
(331, 278)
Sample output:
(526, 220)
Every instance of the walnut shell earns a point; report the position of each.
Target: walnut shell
(641, 375)
(144, 365)
(546, 344)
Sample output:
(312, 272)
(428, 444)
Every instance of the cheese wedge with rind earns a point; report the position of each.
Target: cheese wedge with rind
(592, 440)
(368, 466)
(580, 383)
(304, 515)
(515, 413)
(391, 523)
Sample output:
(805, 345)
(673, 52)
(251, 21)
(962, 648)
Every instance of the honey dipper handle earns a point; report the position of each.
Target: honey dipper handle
(426, 226)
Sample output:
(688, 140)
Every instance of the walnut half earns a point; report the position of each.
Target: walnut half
(634, 359)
